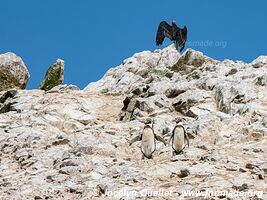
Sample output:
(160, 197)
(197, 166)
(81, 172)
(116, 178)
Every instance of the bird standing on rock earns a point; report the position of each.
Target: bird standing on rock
(178, 138)
(173, 32)
(148, 140)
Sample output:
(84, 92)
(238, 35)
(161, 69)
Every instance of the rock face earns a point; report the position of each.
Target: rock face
(68, 143)
(54, 76)
(13, 72)
(142, 67)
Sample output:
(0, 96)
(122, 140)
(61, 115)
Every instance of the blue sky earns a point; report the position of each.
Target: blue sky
(92, 36)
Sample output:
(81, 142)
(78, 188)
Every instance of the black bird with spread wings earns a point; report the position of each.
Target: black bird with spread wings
(173, 32)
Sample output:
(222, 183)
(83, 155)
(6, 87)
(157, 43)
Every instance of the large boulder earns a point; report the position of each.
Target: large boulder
(54, 76)
(13, 72)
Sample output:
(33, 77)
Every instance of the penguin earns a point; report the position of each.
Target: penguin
(178, 138)
(148, 141)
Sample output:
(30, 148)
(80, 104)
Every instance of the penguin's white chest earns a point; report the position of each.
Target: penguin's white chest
(178, 139)
(148, 142)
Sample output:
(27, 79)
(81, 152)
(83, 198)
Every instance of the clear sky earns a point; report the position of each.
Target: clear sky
(94, 35)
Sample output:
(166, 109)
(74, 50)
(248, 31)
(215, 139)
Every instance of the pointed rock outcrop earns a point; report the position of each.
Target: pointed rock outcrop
(54, 76)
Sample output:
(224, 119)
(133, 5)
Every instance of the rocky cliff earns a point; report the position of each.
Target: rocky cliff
(67, 143)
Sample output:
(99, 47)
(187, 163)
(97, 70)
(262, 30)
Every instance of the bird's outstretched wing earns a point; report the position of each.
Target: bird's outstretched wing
(186, 136)
(171, 137)
(187, 139)
(135, 139)
(164, 30)
(182, 38)
(159, 138)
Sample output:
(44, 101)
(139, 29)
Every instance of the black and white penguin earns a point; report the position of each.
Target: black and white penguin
(179, 138)
(148, 140)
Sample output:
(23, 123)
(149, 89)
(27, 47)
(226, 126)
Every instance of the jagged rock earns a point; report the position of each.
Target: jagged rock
(184, 173)
(144, 105)
(243, 187)
(5, 100)
(134, 107)
(261, 80)
(188, 99)
(194, 75)
(173, 89)
(54, 76)
(231, 72)
(261, 61)
(173, 92)
(234, 98)
(208, 83)
(13, 72)
(6, 95)
(224, 95)
(169, 56)
(190, 61)
(102, 189)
